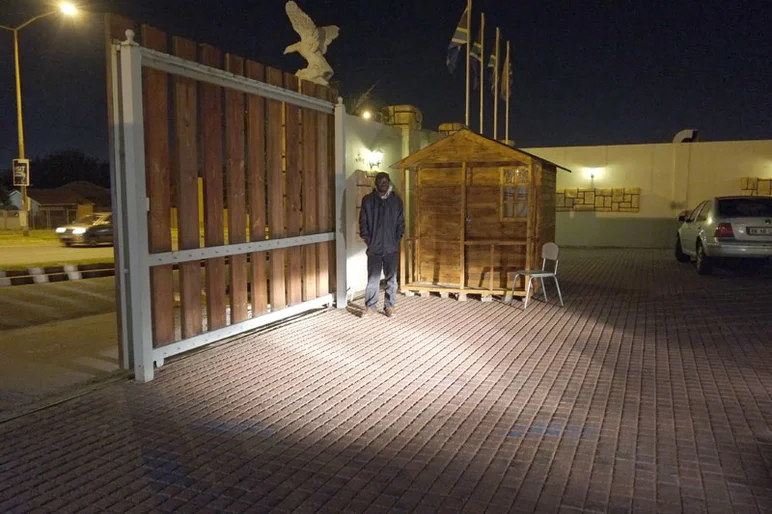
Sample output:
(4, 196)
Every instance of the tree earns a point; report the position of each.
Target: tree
(4, 195)
(67, 166)
(357, 103)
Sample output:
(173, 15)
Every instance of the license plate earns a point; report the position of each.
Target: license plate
(760, 231)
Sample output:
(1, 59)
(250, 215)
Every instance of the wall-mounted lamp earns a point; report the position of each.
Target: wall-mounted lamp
(374, 159)
(367, 115)
(593, 173)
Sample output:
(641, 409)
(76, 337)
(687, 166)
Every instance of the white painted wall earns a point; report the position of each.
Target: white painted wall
(672, 177)
(362, 137)
(716, 168)
(14, 198)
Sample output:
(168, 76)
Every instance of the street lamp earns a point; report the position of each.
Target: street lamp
(64, 8)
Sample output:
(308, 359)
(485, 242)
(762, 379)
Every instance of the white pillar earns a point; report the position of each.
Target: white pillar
(135, 203)
(341, 299)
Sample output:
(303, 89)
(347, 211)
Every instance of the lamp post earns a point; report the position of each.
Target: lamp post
(69, 10)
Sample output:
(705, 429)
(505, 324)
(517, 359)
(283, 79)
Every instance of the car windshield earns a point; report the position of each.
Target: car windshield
(745, 208)
(90, 219)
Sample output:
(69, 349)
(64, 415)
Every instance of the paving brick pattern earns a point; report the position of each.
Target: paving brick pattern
(649, 392)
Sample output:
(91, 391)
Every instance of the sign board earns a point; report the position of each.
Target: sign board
(21, 172)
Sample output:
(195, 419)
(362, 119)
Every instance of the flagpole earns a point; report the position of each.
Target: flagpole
(482, 69)
(468, 45)
(506, 123)
(496, 90)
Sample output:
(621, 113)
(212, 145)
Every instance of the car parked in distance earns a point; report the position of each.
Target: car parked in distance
(725, 227)
(92, 230)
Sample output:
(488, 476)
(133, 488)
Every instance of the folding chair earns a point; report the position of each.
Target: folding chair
(549, 252)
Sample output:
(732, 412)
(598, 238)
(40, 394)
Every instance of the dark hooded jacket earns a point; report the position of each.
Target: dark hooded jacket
(382, 222)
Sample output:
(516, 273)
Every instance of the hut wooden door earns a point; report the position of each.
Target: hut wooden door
(496, 224)
(440, 226)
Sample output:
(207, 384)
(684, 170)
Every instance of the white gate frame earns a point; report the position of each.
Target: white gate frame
(133, 257)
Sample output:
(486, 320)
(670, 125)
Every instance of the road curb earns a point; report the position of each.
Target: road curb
(61, 273)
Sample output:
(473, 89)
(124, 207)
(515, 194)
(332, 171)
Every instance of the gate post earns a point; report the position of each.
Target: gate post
(134, 211)
(341, 296)
(116, 191)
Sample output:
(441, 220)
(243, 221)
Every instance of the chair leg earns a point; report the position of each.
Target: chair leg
(544, 289)
(559, 293)
(527, 293)
(514, 283)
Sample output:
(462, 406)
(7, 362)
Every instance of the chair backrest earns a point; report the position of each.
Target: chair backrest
(549, 252)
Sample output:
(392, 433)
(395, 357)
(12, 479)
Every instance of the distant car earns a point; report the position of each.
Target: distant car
(726, 227)
(92, 230)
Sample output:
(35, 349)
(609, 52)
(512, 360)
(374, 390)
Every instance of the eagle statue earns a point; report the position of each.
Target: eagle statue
(312, 45)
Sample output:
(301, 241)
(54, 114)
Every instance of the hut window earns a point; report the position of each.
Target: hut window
(515, 184)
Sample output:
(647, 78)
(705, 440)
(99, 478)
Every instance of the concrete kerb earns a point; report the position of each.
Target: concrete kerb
(61, 273)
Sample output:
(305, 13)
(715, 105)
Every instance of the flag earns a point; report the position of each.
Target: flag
(506, 79)
(492, 64)
(460, 38)
(475, 53)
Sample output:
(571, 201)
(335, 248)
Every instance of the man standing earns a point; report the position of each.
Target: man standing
(381, 225)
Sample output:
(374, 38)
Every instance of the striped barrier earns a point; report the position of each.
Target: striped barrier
(39, 275)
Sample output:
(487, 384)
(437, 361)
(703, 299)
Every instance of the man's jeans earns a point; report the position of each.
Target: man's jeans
(376, 263)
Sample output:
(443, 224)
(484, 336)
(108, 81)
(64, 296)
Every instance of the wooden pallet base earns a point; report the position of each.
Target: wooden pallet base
(485, 295)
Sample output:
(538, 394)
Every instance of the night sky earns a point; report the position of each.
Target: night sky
(584, 74)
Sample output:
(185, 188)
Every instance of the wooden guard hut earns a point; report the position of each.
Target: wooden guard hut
(477, 210)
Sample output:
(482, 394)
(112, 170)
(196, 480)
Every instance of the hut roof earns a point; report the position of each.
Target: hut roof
(470, 147)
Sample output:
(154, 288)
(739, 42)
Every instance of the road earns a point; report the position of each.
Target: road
(55, 338)
(38, 304)
(21, 256)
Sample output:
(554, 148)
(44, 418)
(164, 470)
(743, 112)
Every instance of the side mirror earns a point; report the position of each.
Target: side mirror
(682, 217)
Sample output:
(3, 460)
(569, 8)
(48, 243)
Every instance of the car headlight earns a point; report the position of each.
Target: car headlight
(61, 230)
(79, 231)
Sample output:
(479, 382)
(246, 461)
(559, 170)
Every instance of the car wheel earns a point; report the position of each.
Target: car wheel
(704, 263)
(679, 251)
(92, 241)
(68, 243)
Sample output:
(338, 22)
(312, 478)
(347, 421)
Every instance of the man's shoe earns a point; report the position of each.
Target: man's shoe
(367, 312)
(389, 312)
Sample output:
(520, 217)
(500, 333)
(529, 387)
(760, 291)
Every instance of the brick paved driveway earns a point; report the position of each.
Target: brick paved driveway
(650, 391)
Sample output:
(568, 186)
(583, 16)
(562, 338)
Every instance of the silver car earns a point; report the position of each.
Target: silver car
(725, 227)
(91, 229)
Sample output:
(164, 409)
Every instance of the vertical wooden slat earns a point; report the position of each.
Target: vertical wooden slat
(310, 203)
(157, 161)
(256, 188)
(490, 278)
(538, 203)
(115, 29)
(536, 183)
(462, 254)
(529, 250)
(214, 222)
(236, 187)
(323, 134)
(294, 190)
(186, 130)
(535, 191)
(403, 246)
(274, 138)
(417, 243)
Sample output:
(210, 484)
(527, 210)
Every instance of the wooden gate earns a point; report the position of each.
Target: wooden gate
(225, 193)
